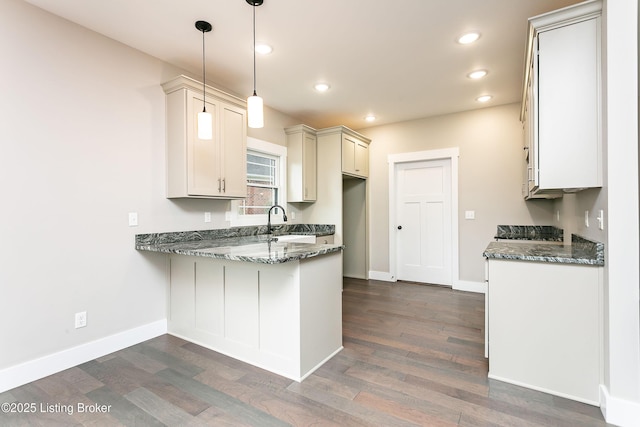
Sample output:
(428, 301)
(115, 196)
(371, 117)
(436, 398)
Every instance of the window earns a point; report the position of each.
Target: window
(266, 178)
(262, 184)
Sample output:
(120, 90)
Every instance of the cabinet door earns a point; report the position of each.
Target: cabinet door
(203, 170)
(309, 168)
(348, 155)
(361, 159)
(233, 152)
(568, 106)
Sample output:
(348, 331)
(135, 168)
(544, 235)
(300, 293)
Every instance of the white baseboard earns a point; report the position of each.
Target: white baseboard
(465, 285)
(384, 276)
(36, 369)
(543, 389)
(619, 412)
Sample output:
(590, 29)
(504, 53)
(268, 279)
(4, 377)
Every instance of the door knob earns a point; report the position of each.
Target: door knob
(399, 227)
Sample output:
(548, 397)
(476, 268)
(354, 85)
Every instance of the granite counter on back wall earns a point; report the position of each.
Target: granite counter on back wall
(530, 232)
(248, 244)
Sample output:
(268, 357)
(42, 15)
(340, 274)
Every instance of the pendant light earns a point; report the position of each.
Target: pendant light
(255, 115)
(205, 121)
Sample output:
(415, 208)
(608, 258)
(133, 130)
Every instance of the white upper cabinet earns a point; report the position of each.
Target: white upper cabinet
(355, 155)
(198, 168)
(562, 101)
(302, 164)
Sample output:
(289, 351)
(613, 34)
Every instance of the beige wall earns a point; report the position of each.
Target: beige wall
(490, 178)
(83, 143)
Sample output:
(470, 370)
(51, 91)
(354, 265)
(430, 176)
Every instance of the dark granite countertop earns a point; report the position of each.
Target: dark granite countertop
(580, 251)
(529, 232)
(248, 244)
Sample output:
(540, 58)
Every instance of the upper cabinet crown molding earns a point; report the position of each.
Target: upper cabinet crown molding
(184, 82)
(198, 168)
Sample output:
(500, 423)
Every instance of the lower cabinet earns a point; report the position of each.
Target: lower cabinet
(545, 327)
(285, 318)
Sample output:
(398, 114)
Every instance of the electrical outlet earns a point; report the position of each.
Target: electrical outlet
(469, 214)
(207, 217)
(81, 319)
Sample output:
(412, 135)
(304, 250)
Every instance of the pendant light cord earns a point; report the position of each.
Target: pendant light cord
(254, 50)
(204, 78)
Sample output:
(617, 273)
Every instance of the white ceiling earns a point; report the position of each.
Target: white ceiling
(395, 59)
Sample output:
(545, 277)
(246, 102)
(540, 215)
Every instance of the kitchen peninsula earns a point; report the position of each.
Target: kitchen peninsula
(268, 300)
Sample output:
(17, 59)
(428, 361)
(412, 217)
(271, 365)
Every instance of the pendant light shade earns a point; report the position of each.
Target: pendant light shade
(205, 125)
(205, 120)
(255, 108)
(255, 111)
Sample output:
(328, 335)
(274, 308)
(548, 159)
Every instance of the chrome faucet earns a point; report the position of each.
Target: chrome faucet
(284, 217)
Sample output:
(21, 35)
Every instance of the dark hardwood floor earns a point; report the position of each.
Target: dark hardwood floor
(413, 356)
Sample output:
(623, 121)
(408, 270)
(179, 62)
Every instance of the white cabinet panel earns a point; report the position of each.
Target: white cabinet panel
(569, 125)
(209, 297)
(544, 327)
(241, 305)
(182, 291)
(302, 164)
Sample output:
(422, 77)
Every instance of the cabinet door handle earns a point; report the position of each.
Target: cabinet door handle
(399, 227)
(224, 185)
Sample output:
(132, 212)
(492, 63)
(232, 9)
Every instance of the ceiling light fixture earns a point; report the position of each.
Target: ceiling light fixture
(370, 118)
(255, 114)
(263, 49)
(469, 37)
(321, 87)
(478, 74)
(484, 98)
(205, 121)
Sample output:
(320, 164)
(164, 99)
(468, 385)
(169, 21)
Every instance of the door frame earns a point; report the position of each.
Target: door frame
(451, 154)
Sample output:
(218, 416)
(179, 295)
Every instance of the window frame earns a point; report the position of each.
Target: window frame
(274, 150)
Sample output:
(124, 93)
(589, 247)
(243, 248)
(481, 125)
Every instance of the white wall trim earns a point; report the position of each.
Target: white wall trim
(468, 286)
(36, 369)
(447, 153)
(616, 411)
(384, 276)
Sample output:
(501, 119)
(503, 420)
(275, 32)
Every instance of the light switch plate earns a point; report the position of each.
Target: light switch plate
(133, 219)
(207, 217)
(469, 214)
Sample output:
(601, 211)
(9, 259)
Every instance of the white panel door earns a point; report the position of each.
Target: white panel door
(423, 226)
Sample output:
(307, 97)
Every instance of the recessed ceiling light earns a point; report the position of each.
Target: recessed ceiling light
(321, 87)
(263, 49)
(370, 118)
(484, 98)
(469, 37)
(478, 74)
